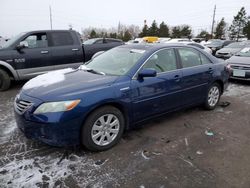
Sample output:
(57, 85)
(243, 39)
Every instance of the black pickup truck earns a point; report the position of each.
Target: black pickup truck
(32, 53)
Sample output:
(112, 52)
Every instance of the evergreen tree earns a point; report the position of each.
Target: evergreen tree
(153, 30)
(220, 29)
(163, 30)
(181, 31)
(113, 35)
(203, 34)
(239, 22)
(144, 32)
(246, 29)
(93, 34)
(127, 36)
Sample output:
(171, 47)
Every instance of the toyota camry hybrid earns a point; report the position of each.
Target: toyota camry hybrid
(94, 104)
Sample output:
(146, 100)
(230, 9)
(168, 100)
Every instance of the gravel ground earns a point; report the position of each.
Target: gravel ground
(172, 151)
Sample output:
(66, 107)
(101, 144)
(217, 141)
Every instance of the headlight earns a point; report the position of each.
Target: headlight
(61, 106)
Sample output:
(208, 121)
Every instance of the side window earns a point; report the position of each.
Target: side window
(162, 61)
(204, 60)
(100, 41)
(62, 39)
(38, 40)
(189, 57)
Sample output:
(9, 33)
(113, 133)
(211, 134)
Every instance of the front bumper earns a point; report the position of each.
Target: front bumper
(240, 74)
(56, 129)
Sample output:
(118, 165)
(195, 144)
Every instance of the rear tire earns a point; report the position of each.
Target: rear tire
(213, 96)
(4, 80)
(103, 128)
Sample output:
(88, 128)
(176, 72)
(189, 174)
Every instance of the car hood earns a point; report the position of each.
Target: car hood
(65, 84)
(228, 50)
(239, 60)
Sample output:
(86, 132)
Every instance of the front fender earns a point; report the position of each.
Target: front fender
(10, 68)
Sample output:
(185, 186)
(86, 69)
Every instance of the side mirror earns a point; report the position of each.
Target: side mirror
(22, 44)
(147, 73)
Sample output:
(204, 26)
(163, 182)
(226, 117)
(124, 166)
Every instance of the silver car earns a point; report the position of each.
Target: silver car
(239, 64)
(231, 49)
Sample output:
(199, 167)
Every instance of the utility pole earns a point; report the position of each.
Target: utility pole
(50, 16)
(212, 31)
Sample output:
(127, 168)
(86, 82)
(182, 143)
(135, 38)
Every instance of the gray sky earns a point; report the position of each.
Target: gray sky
(23, 15)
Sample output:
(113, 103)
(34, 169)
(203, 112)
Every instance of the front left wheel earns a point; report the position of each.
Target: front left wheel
(103, 128)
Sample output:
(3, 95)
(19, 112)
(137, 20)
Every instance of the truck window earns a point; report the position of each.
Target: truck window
(62, 39)
(38, 40)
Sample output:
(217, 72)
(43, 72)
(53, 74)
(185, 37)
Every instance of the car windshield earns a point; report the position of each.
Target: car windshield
(90, 41)
(117, 61)
(235, 45)
(245, 52)
(12, 40)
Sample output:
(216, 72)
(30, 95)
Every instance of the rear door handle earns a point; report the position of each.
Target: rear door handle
(210, 70)
(44, 52)
(75, 49)
(177, 78)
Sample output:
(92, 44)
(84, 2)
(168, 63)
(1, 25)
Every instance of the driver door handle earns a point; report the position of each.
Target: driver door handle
(44, 52)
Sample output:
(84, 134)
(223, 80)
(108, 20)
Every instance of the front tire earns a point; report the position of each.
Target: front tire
(4, 80)
(103, 128)
(213, 96)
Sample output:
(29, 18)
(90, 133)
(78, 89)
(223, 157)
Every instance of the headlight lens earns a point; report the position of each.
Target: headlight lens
(61, 106)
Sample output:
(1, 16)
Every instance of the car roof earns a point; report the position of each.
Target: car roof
(153, 46)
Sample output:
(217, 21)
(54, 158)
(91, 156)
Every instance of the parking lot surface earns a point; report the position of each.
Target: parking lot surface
(189, 148)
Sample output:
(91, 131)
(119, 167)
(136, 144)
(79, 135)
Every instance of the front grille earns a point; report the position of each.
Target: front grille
(21, 106)
(240, 67)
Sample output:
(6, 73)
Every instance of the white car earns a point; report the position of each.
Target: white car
(192, 43)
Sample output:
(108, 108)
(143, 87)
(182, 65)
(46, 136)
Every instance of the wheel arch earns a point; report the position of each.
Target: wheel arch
(9, 69)
(117, 105)
(220, 82)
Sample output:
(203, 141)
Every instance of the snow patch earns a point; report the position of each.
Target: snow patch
(53, 172)
(237, 90)
(48, 78)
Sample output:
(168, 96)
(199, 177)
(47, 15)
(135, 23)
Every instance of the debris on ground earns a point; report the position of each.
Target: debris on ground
(101, 162)
(199, 152)
(224, 104)
(187, 125)
(191, 164)
(186, 141)
(145, 154)
(209, 133)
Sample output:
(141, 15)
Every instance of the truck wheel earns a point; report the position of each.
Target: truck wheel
(213, 96)
(103, 128)
(4, 80)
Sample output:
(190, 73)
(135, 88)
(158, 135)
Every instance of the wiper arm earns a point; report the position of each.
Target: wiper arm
(95, 72)
(85, 68)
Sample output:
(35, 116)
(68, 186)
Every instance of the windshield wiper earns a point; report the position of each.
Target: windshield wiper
(85, 68)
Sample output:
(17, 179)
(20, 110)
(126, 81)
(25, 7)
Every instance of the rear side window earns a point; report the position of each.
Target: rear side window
(189, 57)
(62, 39)
(162, 61)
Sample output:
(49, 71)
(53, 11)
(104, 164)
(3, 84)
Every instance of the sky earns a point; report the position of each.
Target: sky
(24, 15)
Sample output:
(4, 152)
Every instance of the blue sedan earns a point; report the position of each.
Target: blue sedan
(94, 104)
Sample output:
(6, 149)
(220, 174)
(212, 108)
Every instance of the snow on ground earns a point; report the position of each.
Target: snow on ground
(48, 78)
(237, 90)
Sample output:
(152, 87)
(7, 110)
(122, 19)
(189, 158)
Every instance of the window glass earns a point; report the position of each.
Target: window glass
(62, 39)
(189, 57)
(204, 59)
(38, 40)
(100, 41)
(162, 61)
